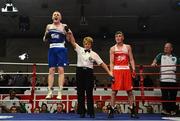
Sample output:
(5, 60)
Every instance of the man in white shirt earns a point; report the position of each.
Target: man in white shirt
(10, 101)
(84, 73)
(167, 80)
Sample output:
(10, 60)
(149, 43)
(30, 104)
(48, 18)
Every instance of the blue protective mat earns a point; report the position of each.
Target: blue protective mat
(100, 116)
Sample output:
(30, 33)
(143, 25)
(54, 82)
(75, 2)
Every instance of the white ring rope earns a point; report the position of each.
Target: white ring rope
(37, 73)
(44, 73)
(13, 87)
(27, 64)
(21, 100)
(37, 87)
(14, 73)
(37, 64)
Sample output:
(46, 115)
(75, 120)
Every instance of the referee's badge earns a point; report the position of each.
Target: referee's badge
(91, 59)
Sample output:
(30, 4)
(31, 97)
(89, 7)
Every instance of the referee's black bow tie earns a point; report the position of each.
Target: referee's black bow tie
(87, 50)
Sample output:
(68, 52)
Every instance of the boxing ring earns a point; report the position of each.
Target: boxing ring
(35, 96)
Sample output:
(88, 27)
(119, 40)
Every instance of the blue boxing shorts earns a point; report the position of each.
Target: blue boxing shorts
(57, 57)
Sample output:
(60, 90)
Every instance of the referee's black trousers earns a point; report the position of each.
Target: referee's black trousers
(85, 84)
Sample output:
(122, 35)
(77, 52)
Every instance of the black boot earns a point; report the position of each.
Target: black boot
(110, 111)
(133, 112)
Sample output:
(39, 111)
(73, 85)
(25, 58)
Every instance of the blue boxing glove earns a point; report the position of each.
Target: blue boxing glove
(110, 78)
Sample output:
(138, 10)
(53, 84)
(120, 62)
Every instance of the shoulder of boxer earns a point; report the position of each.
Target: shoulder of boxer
(112, 49)
(128, 46)
(48, 27)
(64, 25)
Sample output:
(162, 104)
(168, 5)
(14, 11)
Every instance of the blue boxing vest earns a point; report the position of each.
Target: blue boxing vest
(57, 54)
(56, 36)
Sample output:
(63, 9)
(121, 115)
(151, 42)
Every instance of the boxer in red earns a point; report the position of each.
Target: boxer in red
(121, 58)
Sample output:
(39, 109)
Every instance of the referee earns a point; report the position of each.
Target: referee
(84, 73)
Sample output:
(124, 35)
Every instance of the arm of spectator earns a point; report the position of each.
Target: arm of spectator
(154, 63)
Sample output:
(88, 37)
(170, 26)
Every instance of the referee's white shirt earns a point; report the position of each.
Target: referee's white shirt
(86, 59)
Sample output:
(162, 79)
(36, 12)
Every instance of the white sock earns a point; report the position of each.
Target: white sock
(60, 88)
(49, 88)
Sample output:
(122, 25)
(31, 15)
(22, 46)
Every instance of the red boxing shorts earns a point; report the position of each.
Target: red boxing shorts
(122, 80)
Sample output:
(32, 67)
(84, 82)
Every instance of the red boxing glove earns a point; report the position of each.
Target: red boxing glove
(133, 74)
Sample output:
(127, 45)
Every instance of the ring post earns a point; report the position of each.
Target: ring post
(141, 70)
(33, 87)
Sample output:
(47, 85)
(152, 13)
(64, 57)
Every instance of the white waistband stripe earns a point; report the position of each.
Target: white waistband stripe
(53, 45)
(120, 67)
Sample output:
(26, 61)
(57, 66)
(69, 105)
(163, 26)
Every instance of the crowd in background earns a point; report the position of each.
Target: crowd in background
(21, 80)
(13, 104)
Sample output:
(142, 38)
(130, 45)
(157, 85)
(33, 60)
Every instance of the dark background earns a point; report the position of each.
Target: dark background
(147, 25)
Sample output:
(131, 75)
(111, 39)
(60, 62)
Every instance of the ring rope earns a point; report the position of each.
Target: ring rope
(29, 64)
(74, 88)
(30, 73)
(45, 64)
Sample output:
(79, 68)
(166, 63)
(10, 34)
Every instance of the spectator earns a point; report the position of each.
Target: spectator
(14, 109)
(4, 81)
(19, 81)
(168, 80)
(60, 108)
(117, 109)
(37, 110)
(44, 82)
(10, 101)
(74, 107)
(99, 105)
(105, 109)
(44, 108)
(72, 82)
(66, 81)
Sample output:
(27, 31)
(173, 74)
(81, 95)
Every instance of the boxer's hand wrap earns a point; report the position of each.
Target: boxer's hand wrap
(110, 78)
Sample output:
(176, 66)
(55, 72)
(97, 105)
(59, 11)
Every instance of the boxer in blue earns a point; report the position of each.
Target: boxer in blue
(55, 35)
